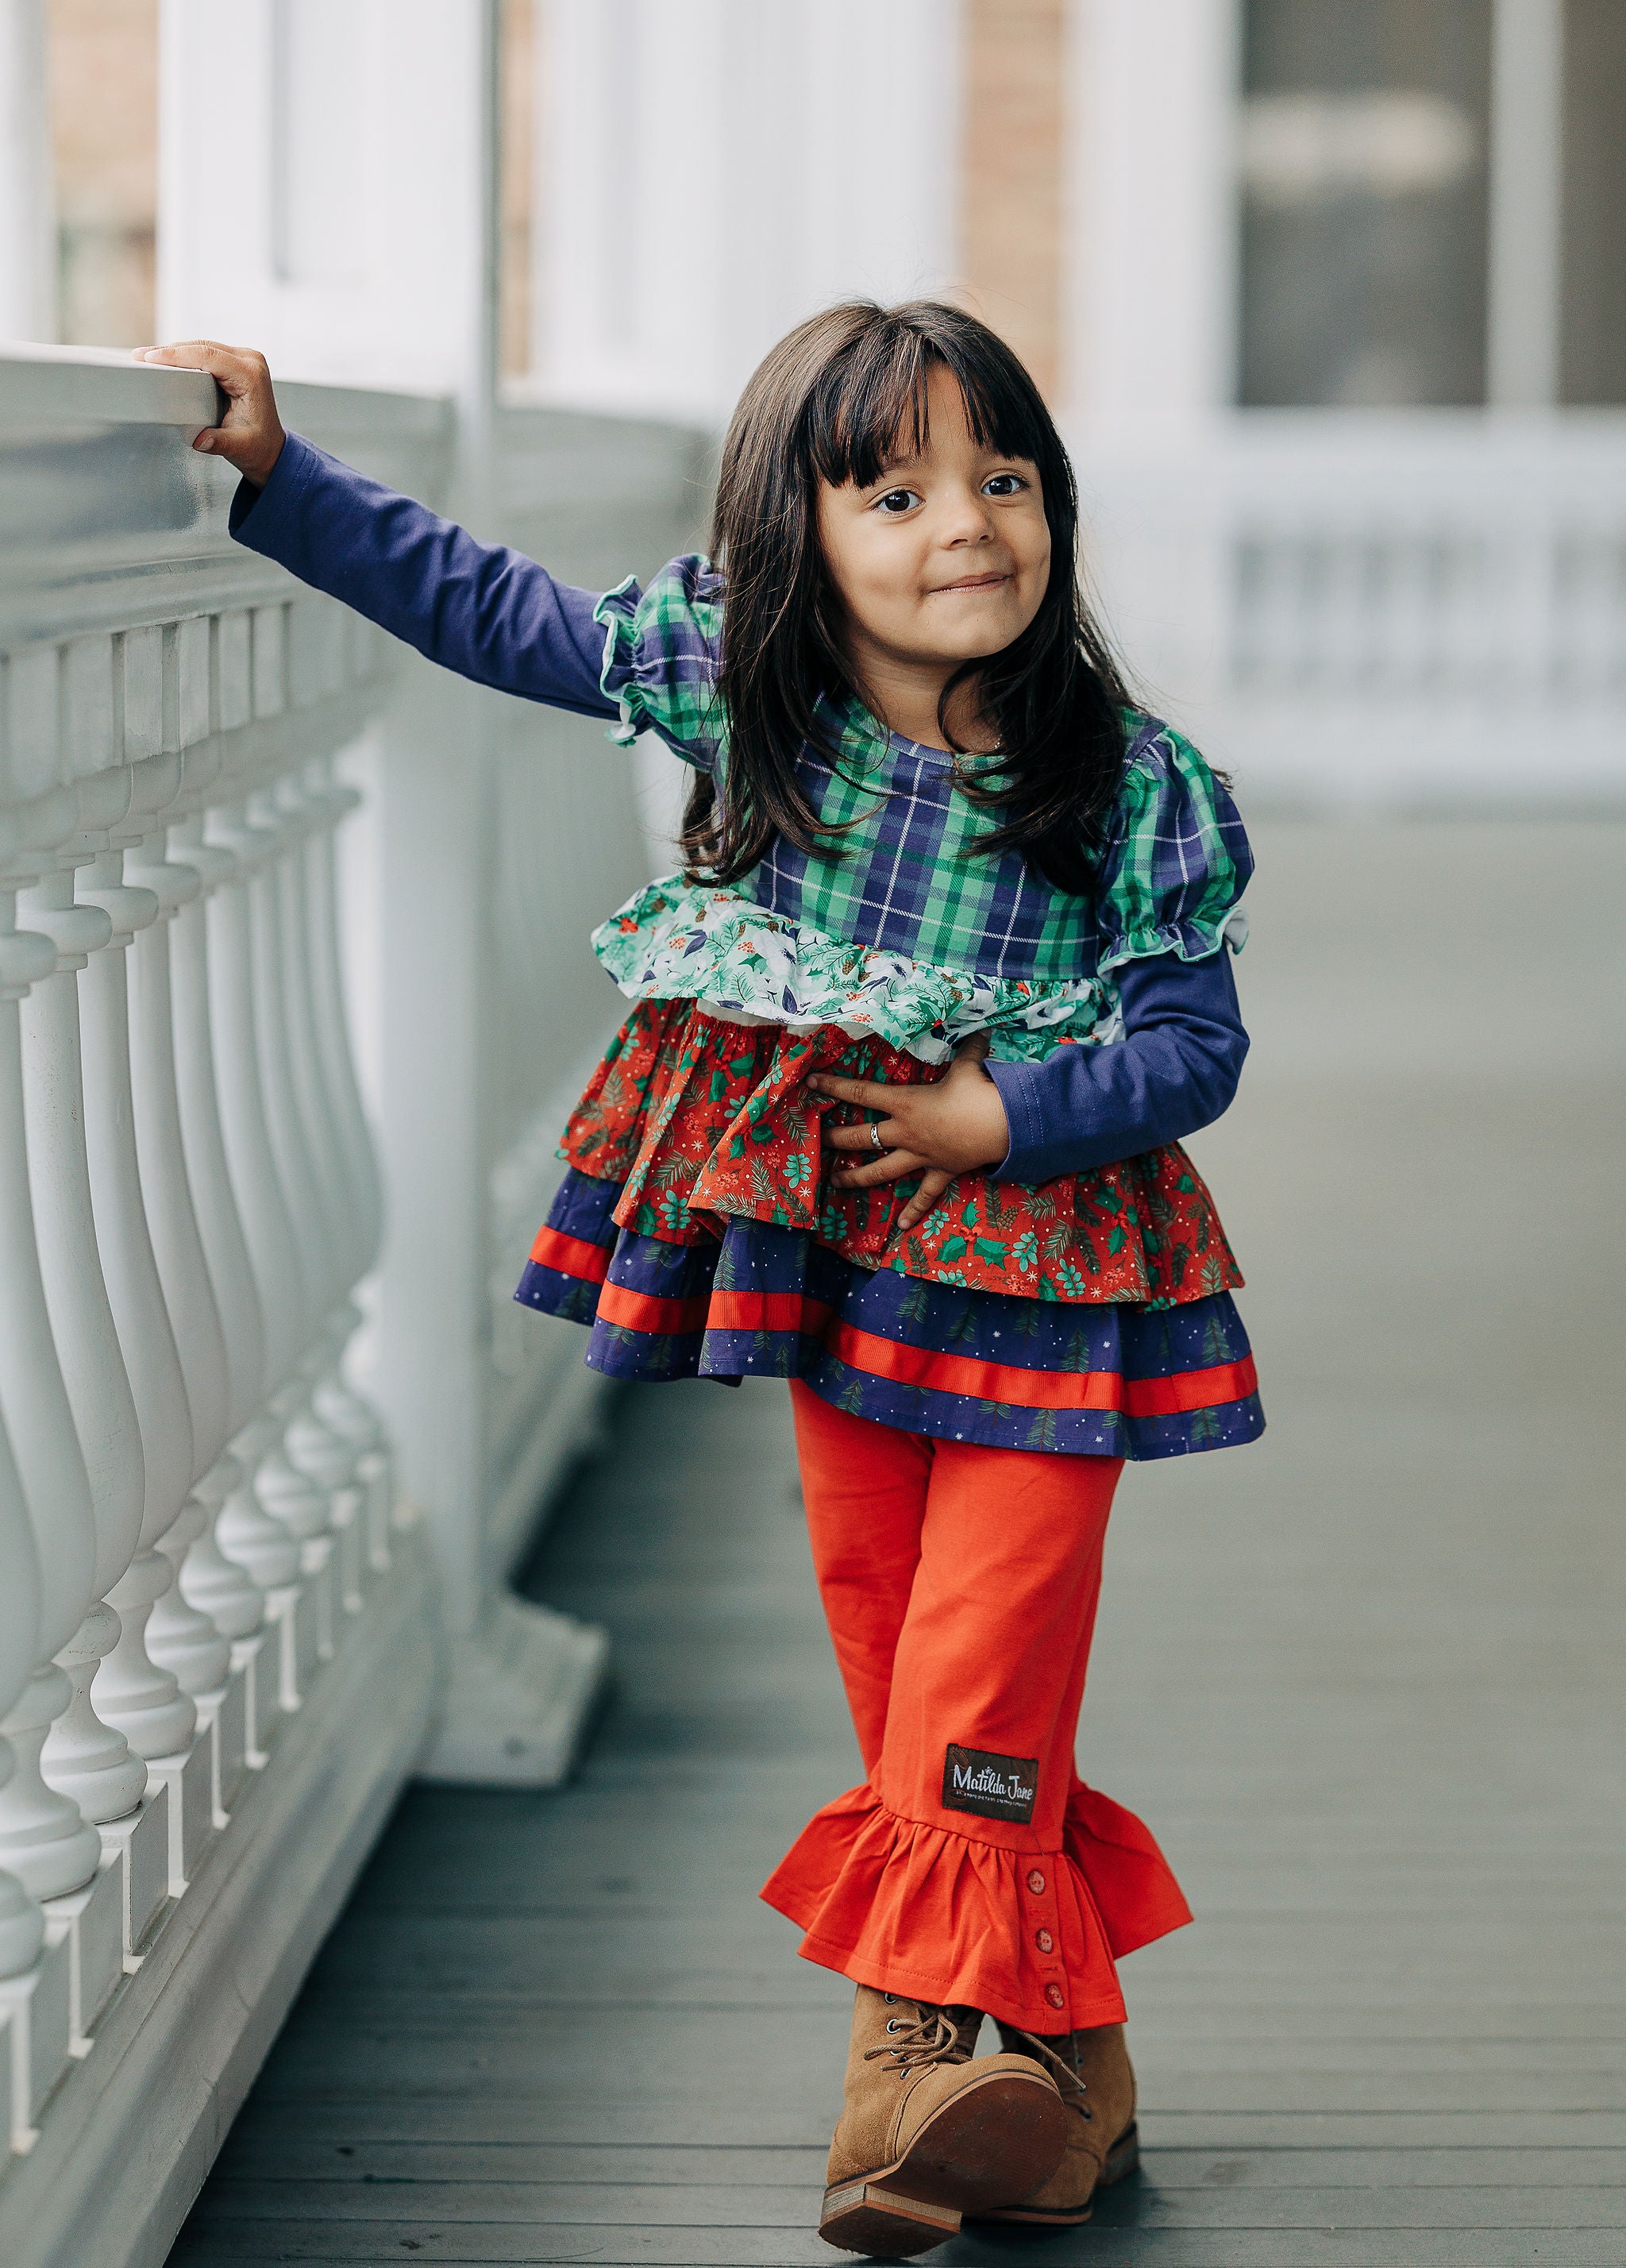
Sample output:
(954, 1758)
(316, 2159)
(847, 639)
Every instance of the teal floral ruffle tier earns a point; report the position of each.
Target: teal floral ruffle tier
(681, 940)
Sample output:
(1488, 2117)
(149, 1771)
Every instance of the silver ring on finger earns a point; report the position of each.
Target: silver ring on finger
(876, 1144)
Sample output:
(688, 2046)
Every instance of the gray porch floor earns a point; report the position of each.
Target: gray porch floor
(1364, 1680)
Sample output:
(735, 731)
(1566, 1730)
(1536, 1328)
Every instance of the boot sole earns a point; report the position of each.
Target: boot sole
(1122, 2158)
(1004, 2135)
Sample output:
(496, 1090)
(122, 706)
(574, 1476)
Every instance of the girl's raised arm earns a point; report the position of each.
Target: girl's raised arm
(479, 608)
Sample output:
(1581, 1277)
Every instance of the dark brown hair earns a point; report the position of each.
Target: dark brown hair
(836, 400)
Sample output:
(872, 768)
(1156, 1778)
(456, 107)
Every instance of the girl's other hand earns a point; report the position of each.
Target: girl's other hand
(957, 1125)
(250, 435)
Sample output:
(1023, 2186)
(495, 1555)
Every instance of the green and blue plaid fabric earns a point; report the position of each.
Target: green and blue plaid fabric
(904, 873)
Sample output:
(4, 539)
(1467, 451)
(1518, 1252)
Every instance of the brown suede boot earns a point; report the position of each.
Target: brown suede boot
(926, 2134)
(1097, 2083)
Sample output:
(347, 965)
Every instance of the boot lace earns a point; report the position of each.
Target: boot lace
(1065, 2061)
(934, 2036)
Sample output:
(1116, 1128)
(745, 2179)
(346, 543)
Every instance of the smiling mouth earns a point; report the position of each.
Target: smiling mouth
(973, 583)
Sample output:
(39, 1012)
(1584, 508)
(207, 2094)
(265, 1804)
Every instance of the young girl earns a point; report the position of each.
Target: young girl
(896, 1116)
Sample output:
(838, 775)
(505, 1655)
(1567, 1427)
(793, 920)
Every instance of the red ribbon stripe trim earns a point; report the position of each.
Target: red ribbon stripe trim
(571, 1256)
(1042, 1389)
(892, 1358)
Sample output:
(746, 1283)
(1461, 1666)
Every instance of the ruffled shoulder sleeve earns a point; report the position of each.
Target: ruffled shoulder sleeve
(1176, 858)
(661, 651)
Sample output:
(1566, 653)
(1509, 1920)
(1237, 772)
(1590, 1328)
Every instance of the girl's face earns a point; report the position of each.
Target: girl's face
(943, 560)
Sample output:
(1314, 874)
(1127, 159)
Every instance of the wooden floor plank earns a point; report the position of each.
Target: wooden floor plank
(320, 2244)
(1147, 2203)
(261, 2160)
(1363, 1680)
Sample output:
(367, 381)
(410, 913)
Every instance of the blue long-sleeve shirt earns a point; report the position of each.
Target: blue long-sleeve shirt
(495, 616)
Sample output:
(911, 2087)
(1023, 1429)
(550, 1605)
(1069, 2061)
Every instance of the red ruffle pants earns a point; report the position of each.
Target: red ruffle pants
(972, 1867)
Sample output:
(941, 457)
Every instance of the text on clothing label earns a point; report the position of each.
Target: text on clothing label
(995, 1787)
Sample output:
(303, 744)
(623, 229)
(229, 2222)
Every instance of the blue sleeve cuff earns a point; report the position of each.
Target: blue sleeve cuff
(273, 508)
(1018, 1085)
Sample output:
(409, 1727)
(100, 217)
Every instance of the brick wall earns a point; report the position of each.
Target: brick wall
(1011, 217)
(104, 131)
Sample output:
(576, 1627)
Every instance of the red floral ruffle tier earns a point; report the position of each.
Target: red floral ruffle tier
(703, 1120)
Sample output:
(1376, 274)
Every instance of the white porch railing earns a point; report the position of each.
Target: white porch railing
(1393, 610)
(213, 1629)
(219, 1657)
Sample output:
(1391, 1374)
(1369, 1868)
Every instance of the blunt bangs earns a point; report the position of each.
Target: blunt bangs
(871, 412)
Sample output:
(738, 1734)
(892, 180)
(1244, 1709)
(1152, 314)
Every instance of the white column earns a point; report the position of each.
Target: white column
(83, 1758)
(1526, 167)
(357, 268)
(132, 1692)
(417, 306)
(44, 1841)
(27, 205)
(1152, 262)
(626, 94)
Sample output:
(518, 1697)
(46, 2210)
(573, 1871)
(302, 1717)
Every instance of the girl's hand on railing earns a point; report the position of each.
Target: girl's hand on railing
(957, 1125)
(250, 435)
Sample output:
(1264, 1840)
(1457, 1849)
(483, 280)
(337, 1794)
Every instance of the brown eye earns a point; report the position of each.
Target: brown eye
(896, 502)
(1004, 484)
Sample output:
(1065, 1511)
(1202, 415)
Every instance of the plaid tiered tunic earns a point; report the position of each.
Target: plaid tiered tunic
(696, 1232)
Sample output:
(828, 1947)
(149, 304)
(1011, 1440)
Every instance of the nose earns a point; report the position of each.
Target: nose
(967, 518)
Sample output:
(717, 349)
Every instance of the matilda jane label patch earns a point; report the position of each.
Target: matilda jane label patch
(995, 1787)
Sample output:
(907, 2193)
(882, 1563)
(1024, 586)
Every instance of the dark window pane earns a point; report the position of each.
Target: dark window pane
(1594, 335)
(1365, 126)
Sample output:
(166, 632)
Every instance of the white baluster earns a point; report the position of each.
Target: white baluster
(280, 1158)
(335, 1401)
(83, 1758)
(245, 1533)
(224, 1588)
(225, 1247)
(352, 1416)
(245, 1530)
(132, 1690)
(267, 1226)
(260, 846)
(306, 815)
(332, 1023)
(180, 1636)
(44, 1841)
(22, 1925)
(217, 1585)
(177, 1246)
(326, 1456)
